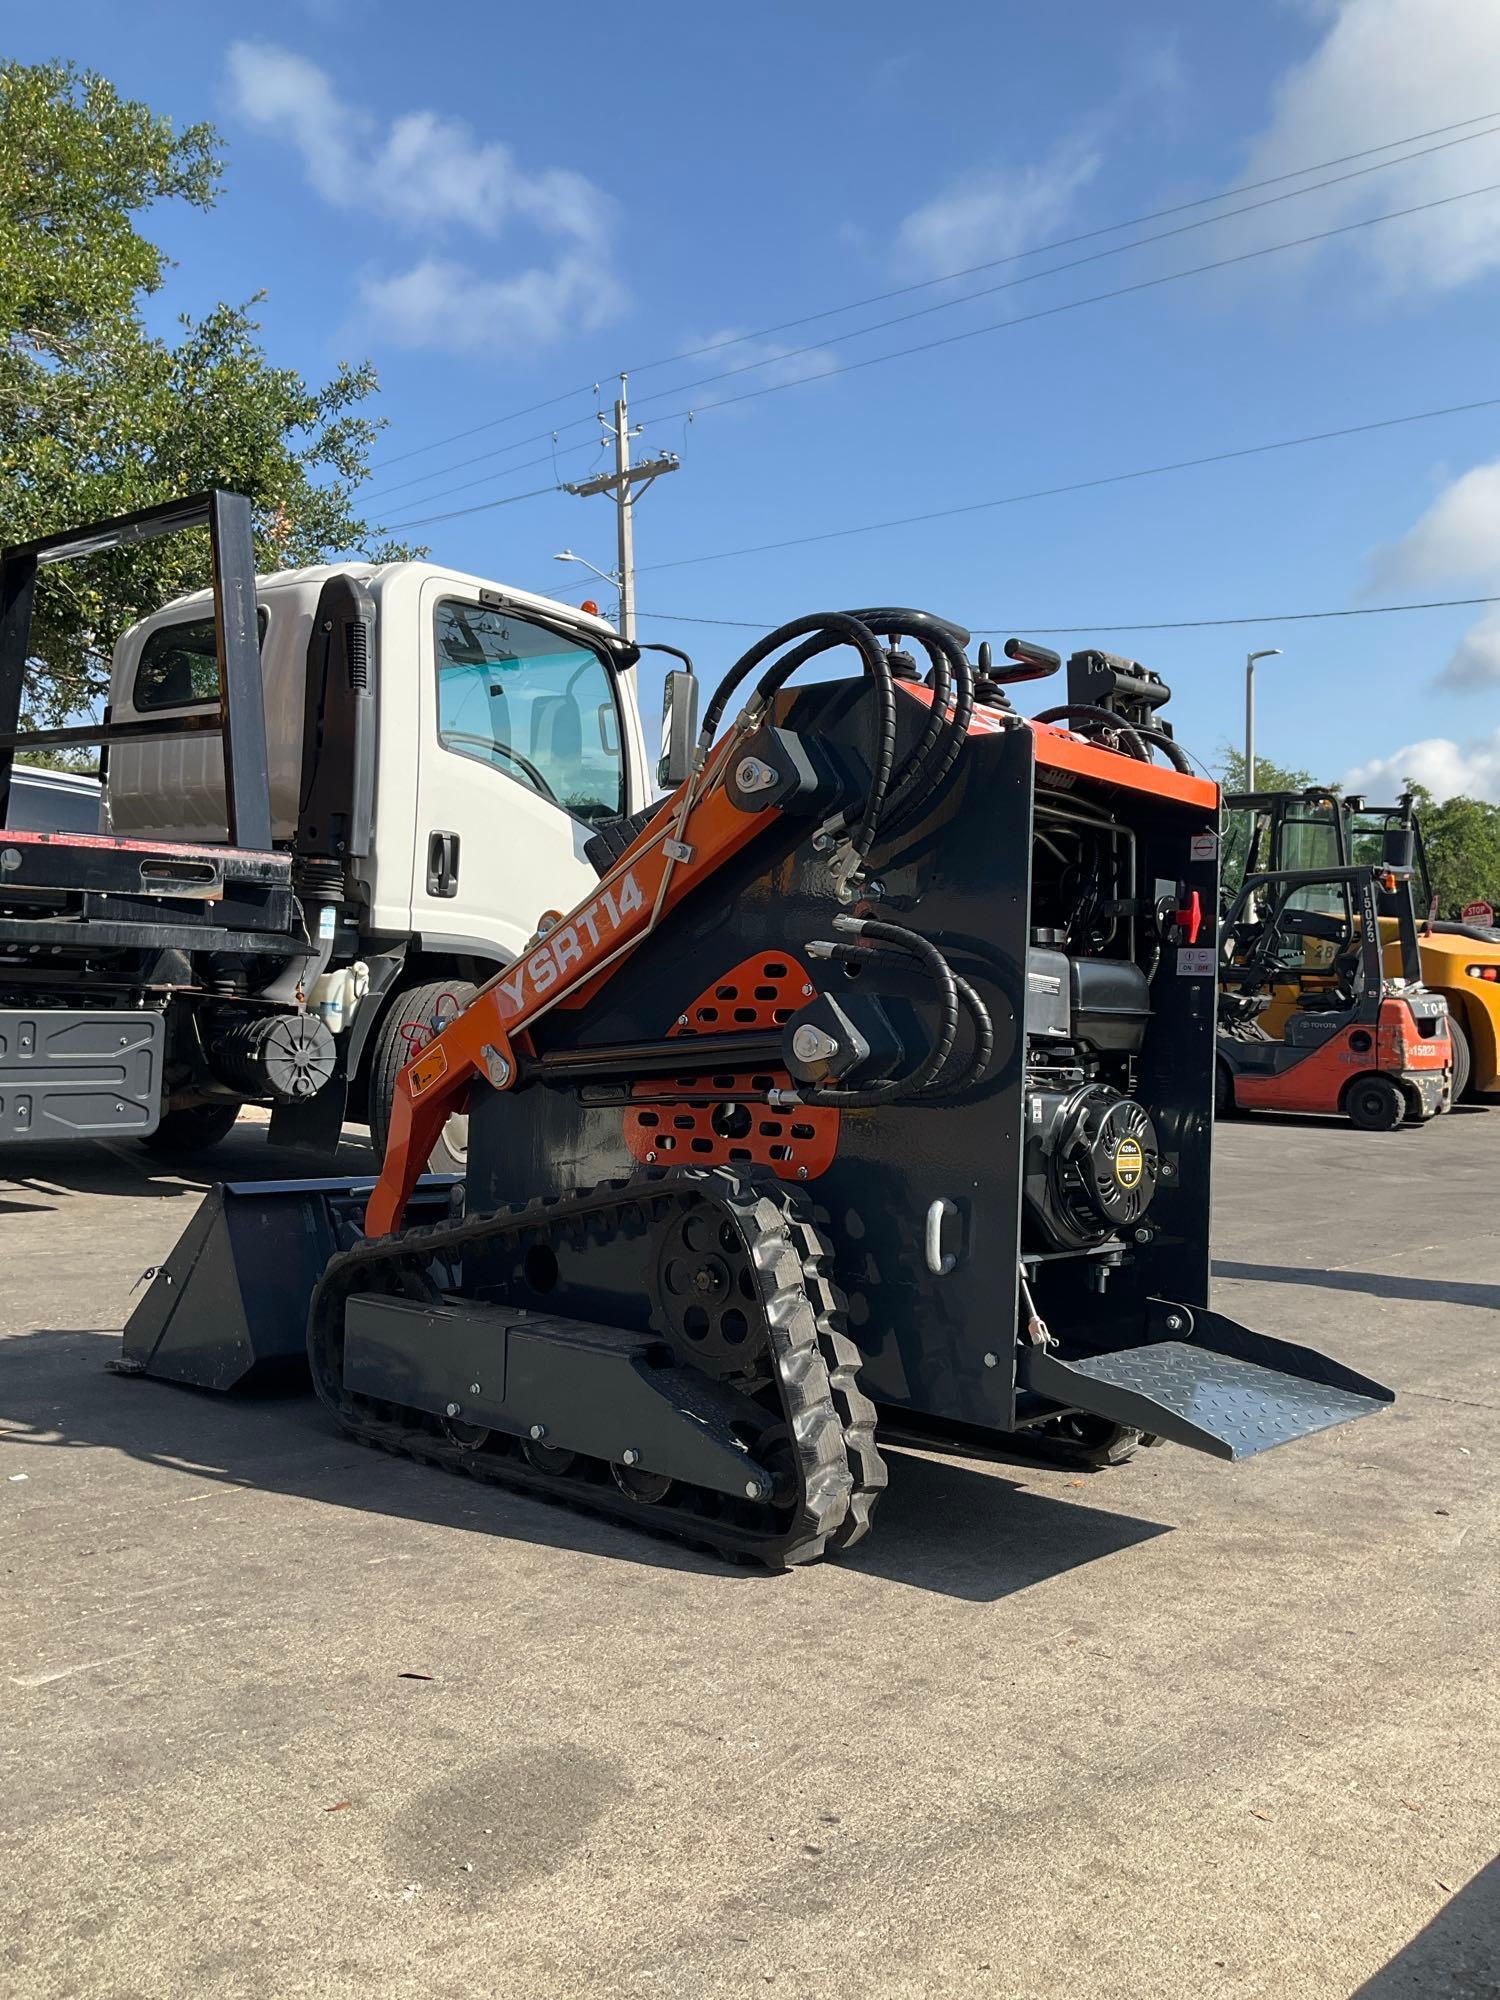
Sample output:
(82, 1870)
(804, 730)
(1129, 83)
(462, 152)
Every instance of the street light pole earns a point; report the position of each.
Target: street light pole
(605, 575)
(1265, 653)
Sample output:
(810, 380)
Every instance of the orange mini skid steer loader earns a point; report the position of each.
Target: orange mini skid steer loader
(874, 1075)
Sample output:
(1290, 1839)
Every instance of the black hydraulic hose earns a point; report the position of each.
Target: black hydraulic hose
(957, 735)
(1083, 712)
(1176, 755)
(831, 626)
(920, 1079)
(941, 683)
(943, 644)
(828, 629)
(883, 763)
(908, 777)
(984, 1037)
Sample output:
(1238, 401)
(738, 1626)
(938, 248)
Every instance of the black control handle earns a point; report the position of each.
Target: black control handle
(1041, 660)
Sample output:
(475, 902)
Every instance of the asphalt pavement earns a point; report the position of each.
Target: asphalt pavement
(279, 1716)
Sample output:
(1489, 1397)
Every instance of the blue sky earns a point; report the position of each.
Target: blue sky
(501, 206)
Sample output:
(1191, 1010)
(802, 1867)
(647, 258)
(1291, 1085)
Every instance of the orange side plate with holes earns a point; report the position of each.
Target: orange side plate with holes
(716, 1121)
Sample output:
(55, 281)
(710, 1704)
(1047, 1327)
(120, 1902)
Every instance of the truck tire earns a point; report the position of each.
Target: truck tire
(407, 1024)
(1375, 1104)
(1463, 1057)
(193, 1128)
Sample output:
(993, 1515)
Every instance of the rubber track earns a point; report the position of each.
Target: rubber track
(829, 1420)
(867, 1469)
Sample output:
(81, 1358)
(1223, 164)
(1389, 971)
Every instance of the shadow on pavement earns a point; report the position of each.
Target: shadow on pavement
(968, 1532)
(1433, 1291)
(943, 1526)
(51, 1174)
(1457, 1955)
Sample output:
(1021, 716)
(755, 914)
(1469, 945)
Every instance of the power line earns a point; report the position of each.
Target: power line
(1075, 486)
(1272, 618)
(545, 458)
(1099, 625)
(1092, 299)
(1075, 263)
(1083, 236)
(947, 277)
(1026, 319)
(484, 506)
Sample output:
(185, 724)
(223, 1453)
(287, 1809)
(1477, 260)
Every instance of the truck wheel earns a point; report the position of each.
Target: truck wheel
(407, 1025)
(1375, 1104)
(1463, 1057)
(193, 1128)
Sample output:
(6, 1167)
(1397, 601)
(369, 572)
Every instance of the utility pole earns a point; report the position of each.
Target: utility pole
(623, 483)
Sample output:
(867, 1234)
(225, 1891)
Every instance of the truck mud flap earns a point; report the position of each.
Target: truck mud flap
(228, 1308)
(1210, 1383)
(78, 1073)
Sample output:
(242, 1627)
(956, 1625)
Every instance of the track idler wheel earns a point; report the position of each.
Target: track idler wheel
(645, 1488)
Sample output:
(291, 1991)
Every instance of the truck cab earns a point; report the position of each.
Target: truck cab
(506, 730)
(335, 802)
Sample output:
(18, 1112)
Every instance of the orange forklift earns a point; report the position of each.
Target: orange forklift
(1357, 1038)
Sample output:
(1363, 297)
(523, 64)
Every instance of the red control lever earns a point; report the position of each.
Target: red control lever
(1190, 915)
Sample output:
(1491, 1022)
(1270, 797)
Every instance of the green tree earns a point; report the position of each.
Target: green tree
(1462, 841)
(99, 416)
(1269, 777)
(1239, 826)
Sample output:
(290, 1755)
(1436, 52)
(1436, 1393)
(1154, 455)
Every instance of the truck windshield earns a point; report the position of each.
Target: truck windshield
(539, 707)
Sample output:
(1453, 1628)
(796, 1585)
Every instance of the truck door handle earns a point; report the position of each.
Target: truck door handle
(442, 864)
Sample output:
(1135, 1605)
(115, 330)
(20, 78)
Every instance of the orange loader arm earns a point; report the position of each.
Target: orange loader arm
(693, 834)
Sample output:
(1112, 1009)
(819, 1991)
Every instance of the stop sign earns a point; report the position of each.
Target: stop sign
(1479, 913)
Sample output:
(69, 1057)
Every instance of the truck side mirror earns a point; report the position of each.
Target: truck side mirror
(1398, 849)
(679, 727)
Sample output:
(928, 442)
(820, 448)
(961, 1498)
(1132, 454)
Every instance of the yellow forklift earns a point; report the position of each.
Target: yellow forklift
(1319, 829)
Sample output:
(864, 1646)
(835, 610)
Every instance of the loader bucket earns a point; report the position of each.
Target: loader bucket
(228, 1308)
(1210, 1383)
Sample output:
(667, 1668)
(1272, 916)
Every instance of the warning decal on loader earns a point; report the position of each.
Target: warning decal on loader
(426, 1070)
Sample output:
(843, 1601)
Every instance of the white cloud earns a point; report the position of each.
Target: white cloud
(990, 213)
(995, 212)
(1384, 69)
(442, 302)
(1457, 540)
(1446, 768)
(1476, 658)
(424, 171)
(1458, 537)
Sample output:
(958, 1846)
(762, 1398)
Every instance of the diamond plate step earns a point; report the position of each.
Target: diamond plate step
(1225, 1403)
